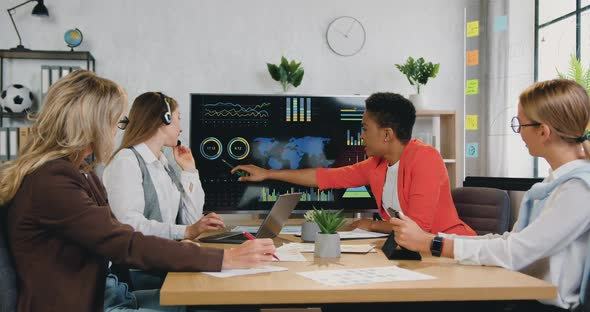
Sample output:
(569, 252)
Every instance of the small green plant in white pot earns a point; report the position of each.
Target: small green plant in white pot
(418, 72)
(309, 229)
(287, 73)
(327, 242)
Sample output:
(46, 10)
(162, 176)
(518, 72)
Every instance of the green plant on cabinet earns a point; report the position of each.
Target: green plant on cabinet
(418, 71)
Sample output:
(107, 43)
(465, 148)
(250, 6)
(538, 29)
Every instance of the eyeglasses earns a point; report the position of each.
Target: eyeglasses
(122, 124)
(515, 124)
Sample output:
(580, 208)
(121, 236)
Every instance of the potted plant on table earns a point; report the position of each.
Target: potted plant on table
(309, 229)
(327, 242)
(418, 72)
(287, 73)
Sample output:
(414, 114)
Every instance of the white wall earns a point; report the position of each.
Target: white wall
(188, 46)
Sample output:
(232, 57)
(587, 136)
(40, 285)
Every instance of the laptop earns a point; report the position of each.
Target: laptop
(270, 228)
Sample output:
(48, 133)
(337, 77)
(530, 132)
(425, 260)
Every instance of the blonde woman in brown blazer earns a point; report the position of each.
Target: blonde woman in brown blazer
(60, 228)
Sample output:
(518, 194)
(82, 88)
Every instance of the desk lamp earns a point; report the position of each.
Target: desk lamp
(40, 9)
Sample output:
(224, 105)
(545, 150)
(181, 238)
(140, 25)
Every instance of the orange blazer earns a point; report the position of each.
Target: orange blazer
(423, 187)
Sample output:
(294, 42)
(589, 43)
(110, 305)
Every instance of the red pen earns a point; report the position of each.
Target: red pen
(250, 237)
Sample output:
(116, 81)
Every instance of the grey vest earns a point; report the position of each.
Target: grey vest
(152, 205)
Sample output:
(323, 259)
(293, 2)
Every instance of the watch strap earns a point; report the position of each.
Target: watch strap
(436, 246)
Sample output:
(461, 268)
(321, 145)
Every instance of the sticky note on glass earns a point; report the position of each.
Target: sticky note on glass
(472, 57)
(472, 150)
(472, 86)
(473, 29)
(471, 122)
(500, 23)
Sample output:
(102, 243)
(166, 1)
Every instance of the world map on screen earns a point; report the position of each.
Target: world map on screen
(294, 153)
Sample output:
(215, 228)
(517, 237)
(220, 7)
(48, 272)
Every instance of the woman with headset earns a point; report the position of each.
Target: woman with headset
(143, 187)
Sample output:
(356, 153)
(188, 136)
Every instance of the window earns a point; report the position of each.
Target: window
(562, 28)
(555, 45)
(551, 9)
(585, 35)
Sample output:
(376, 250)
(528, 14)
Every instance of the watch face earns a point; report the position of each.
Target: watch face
(436, 246)
(346, 36)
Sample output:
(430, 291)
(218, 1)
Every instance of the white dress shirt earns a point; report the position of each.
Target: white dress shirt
(123, 182)
(553, 247)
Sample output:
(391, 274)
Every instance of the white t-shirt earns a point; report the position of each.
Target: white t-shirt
(390, 198)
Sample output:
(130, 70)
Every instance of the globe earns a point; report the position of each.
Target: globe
(73, 38)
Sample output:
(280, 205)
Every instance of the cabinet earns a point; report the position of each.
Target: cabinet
(16, 121)
(14, 127)
(440, 126)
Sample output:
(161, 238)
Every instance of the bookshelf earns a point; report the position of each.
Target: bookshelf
(442, 126)
(16, 126)
(45, 55)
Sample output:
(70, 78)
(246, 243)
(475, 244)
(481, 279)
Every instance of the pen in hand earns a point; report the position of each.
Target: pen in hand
(250, 237)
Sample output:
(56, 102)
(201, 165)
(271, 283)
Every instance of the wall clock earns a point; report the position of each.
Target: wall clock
(346, 36)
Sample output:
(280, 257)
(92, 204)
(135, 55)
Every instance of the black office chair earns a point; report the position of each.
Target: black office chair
(585, 300)
(8, 287)
(485, 210)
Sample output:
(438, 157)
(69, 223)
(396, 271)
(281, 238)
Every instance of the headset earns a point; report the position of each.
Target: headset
(167, 115)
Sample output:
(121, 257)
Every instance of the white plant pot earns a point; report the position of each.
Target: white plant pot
(327, 245)
(309, 231)
(418, 101)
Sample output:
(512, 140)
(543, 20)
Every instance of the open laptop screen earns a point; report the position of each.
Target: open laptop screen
(270, 227)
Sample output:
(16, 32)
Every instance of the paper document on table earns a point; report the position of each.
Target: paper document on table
(358, 233)
(287, 229)
(287, 254)
(310, 247)
(364, 276)
(240, 272)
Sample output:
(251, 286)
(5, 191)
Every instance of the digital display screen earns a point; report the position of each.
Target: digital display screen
(276, 132)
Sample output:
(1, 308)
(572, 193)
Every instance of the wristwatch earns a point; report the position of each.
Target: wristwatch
(436, 246)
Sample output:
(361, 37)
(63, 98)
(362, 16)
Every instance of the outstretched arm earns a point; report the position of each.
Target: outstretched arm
(305, 177)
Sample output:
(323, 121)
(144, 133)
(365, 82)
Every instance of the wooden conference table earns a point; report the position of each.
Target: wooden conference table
(453, 283)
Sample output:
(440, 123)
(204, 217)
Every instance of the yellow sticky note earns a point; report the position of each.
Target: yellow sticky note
(473, 29)
(471, 122)
(472, 87)
(472, 57)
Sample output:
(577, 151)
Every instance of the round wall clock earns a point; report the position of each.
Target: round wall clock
(346, 36)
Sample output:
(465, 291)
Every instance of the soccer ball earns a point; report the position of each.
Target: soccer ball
(16, 99)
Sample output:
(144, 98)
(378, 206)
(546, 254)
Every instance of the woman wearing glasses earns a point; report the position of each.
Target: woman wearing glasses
(143, 187)
(551, 237)
(60, 228)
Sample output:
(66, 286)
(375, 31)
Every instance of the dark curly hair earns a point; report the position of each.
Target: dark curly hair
(394, 111)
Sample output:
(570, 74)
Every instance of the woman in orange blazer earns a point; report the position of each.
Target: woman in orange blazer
(404, 174)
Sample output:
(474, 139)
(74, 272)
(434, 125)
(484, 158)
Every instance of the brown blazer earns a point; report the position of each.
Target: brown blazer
(62, 234)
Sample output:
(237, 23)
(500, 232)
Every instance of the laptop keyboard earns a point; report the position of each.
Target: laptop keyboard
(226, 235)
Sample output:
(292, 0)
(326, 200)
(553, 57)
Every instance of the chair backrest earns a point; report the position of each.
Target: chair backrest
(8, 287)
(485, 210)
(584, 291)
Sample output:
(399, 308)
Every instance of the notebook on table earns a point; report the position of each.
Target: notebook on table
(270, 227)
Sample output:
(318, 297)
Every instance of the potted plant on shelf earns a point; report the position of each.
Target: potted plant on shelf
(287, 73)
(327, 242)
(309, 229)
(418, 72)
(577, 73)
